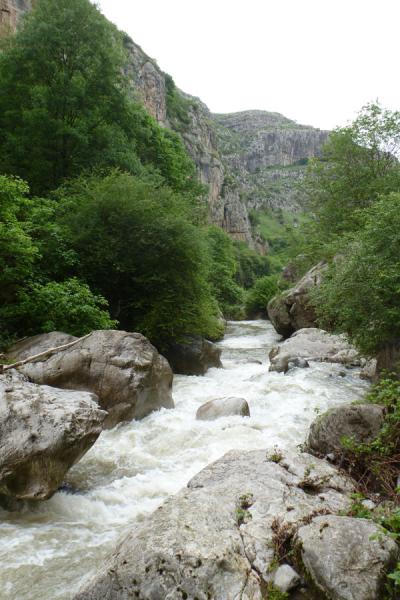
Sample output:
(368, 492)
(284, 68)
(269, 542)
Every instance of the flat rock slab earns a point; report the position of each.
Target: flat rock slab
(347, 558)
(313, 344)
(215, 538)
(223, 407)
(43, 432)
(125, 371)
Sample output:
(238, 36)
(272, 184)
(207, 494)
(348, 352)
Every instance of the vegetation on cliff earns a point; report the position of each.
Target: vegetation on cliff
(110, 227)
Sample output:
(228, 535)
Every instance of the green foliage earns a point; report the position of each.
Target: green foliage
(222, 272)
(274, 594)
(361, 292)
(138, 247)
(359, 165)
(69, 306)
(250, 265)
(281, 230)
(65, 108)
(177, 105)
(260, 294)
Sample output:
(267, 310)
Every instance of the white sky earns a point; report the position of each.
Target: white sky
(316, 61)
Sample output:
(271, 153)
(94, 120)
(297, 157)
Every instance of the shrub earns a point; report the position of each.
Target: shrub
(260, 294)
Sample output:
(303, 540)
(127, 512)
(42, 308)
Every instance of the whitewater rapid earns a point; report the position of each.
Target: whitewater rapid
(48, 550)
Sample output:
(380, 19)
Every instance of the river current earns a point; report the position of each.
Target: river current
(48, 550)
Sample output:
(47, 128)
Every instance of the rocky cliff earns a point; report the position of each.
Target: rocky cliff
(251, 159)
(11, 12)
(267, 154)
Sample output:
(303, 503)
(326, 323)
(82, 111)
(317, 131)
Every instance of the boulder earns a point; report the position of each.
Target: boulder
(129, 376)
(346, 558)
(291, 310)
(361, 422)
(223, 407)
(193, 356)
(313, 344)
(43, 432)
(215, 539)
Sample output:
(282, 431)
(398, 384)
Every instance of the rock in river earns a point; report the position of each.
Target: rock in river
(43, 432)
(223, 407)
(193, 356)
(129, 376)
(215, 538)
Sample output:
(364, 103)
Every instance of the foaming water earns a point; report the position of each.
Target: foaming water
(47, 550)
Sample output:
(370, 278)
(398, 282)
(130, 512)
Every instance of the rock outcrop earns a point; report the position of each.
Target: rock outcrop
(217, 537)
(360, 422)
(291, 310)
(193, 356)
(129, 376)
(346, 558)
(313, 344)
(11, 12)
(43, 432)
(223, 407)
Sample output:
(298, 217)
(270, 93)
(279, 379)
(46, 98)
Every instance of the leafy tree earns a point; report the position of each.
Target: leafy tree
(68, 306)
(138, 247)
(65, 106)
(222, 272)
(260, 294)
(361, 293)
(251, 265)
(360, 163)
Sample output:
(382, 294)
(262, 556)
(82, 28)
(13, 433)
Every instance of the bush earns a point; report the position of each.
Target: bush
(69, 306)
(260, 294)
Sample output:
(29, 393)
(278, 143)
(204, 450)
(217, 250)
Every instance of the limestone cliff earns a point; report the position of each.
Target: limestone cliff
(247, 160)
(267, 154)
(10, 13)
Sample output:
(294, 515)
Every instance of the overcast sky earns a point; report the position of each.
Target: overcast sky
(315, 61)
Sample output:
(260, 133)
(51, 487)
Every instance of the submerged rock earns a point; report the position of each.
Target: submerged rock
(43, 432)
(361, 422)
(313, 344)
(215, 538)
(129, 376)
(193, 356)
(292, 310)
(223, 407)
(346, 558)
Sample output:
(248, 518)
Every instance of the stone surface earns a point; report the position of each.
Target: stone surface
(361, 422)
(291, 310)
(286, 578)
(347, 558)
(313, 344)
(43, 432)
(223, 407)
(11, 12)
(193, 356)
(214, 539)
(129, 376)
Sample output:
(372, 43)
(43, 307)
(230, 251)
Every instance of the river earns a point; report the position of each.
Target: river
(47, 550)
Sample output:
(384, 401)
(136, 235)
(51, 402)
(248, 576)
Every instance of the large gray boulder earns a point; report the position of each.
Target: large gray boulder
(313, 344)
(193, 356)
(129, 376)
(361, 422)
(223, 407)
(291, 310)
(216, 538)
(346, 558)
(43, 432)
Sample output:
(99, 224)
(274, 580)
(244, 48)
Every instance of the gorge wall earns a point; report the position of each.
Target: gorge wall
(248, 160)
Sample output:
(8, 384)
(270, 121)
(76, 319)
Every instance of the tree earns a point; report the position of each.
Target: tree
(361, 293)
(359, 163)
(138, 247)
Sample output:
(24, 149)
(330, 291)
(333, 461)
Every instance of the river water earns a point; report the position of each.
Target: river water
(47, 550)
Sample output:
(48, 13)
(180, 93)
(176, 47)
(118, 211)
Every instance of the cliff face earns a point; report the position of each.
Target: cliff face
(252, 159)
(10, 13)
(267, 154)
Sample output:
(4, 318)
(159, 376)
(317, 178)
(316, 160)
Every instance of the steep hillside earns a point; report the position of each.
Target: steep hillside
(267, 154)
(248, 160)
